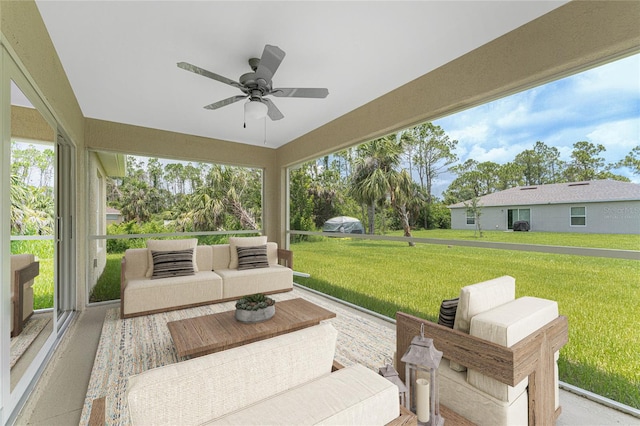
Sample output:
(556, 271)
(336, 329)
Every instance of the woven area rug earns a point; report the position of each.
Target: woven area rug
(134, 345)
(30, 331)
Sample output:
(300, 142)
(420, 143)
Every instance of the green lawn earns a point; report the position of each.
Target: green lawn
(43, 286)
(43, 250)
(108, 285)
(599, 296)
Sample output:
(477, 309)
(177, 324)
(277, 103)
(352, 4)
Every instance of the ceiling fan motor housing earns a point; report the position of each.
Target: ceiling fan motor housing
(251, 84)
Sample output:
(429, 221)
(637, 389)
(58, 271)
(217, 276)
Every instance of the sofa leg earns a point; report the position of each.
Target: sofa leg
(98, 412)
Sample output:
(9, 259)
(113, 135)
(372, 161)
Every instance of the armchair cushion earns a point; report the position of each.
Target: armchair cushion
(481, 297)
(506, 325)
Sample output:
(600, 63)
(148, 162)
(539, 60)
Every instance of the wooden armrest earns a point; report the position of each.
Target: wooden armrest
(406, 418)
(20, 278)
(507, 365)
(28, 273)
(285, 258)
(98, 412)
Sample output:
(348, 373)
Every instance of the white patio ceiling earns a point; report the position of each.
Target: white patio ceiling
(121, 56)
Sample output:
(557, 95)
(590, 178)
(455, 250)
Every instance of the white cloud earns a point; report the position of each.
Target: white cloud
(471, 134)
(617, 135)
(601, 105)
(622, 75)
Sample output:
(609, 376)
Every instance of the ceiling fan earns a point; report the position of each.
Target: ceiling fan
(258, 84)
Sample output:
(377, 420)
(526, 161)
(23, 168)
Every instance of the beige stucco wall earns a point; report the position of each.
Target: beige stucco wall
(96, 219)
(29, 124)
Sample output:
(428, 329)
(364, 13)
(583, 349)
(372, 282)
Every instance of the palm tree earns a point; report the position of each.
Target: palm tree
(378, 177)
(225, 202)
(32, 209)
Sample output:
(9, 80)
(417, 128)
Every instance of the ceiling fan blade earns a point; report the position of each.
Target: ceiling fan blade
(271, 58)
(308, 92)
(187, 66)
(273, 112)
(226, 102)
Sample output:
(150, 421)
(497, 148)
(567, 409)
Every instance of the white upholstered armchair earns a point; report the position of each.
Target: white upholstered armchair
(500, 360)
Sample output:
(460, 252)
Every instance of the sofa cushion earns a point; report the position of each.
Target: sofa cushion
(144, 294)
(239, 283)
(221, 256)
(252, 257)
(137, 266)
(200, 389)
(204, 258)
(481, 297)
(172, 263)
(164, 245)
(242, 242)
(506, 325)
(353, 395)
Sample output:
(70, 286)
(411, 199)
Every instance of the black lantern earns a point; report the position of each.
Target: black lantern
(390, 373)
(422, 397)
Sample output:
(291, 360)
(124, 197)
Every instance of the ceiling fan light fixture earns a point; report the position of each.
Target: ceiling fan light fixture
(255, 110)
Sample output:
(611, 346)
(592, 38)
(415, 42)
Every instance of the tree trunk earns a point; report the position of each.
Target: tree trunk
(371, 213)
(404, 218)
(245, 218)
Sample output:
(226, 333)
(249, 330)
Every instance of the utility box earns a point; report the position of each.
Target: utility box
(521, 225)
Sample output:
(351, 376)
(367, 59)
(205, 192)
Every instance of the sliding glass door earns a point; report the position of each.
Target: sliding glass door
(65, 236)
(38, 237)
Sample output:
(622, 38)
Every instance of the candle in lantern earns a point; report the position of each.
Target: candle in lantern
(422, 400)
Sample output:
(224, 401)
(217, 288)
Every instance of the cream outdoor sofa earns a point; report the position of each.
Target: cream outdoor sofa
(24, 268)
(285, 380)
(510, 347)
(216, 278)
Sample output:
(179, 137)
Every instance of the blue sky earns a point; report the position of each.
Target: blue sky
(601, 105)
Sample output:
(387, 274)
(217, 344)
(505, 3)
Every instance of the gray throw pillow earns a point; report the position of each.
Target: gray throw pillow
(448, 310)
(172, 263)
(252, 257)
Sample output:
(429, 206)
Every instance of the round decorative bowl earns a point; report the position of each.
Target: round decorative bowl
(259, 315)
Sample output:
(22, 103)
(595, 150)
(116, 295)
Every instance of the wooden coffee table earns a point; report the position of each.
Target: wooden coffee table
(207, 334)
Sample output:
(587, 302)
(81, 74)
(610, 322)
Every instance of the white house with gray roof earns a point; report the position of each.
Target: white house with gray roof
(597, 207)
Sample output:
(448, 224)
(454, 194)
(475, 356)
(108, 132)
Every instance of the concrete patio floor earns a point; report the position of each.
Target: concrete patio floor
(58, 398)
